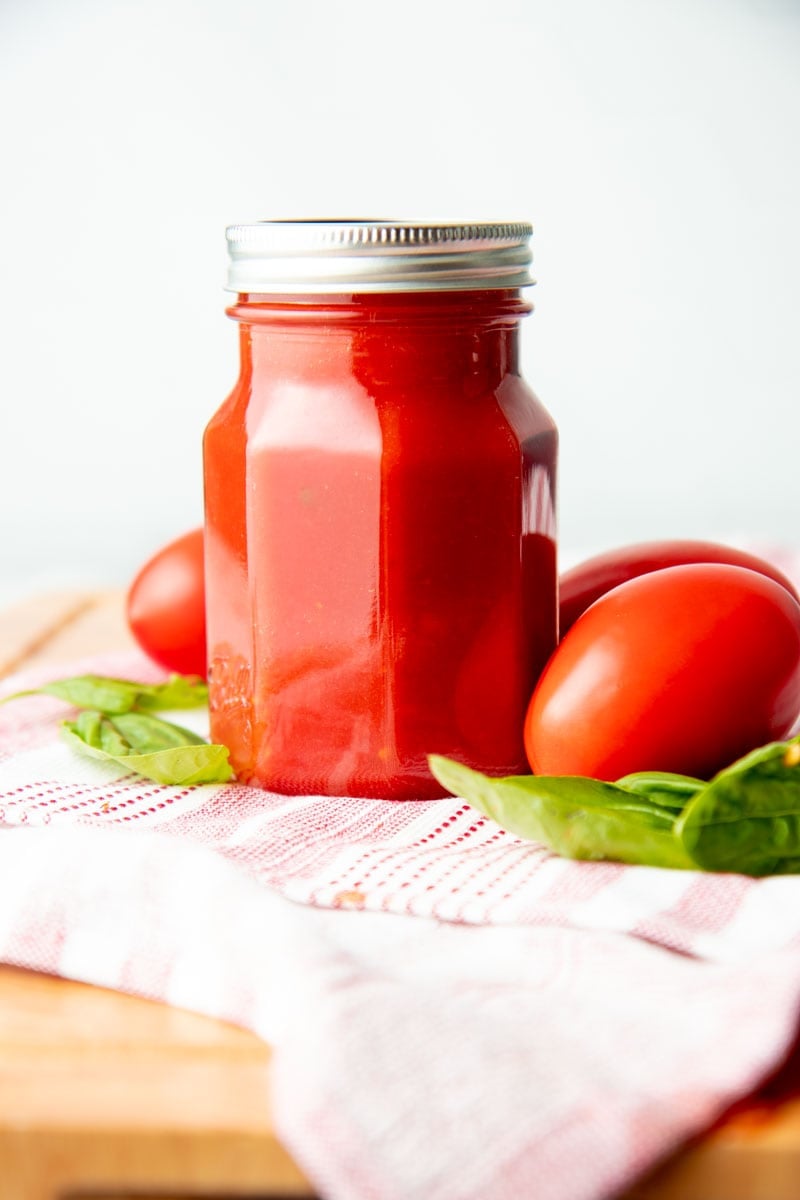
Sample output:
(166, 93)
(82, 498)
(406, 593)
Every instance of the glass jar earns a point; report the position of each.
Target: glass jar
(380, 531)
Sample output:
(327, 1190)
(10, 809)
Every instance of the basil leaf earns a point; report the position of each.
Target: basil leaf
(671, 791)
(146, 734)
(111, 740)
(130, 733)
(179, 692)
(574, 816)
(112, 696)
(747, 820)
(178, 764)
(89, 691)
(89, 726)
(116, 725)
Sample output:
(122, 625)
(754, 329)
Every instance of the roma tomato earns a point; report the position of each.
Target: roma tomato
(585, 583)
(683, 669)
(166, 606)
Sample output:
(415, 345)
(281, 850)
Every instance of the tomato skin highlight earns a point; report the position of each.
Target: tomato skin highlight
(583, 584)
(166, 606)
(683, 669)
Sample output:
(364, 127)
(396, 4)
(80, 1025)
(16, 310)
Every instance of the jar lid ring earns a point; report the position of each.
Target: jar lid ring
(328, 256)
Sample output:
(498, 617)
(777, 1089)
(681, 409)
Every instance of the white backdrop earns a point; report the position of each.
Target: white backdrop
(653, 143)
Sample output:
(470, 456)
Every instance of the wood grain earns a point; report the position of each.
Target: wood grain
(104, 1091)
(61, 627)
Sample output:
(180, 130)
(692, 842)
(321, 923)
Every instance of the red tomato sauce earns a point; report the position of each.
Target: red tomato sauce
(380, 542)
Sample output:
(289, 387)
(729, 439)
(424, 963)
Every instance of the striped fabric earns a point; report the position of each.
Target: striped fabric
(456, 1014)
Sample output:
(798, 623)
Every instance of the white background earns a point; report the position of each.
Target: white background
(655, 145)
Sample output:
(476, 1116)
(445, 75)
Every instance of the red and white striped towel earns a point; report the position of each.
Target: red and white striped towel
(456, 1014)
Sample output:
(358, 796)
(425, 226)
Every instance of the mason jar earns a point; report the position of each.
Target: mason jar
(380, 508)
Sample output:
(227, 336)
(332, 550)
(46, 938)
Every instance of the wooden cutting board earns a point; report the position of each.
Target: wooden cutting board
(107, 1095)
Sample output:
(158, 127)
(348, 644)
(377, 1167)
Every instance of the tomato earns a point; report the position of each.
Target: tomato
(166, 606)
(583, 584)
(683, 669)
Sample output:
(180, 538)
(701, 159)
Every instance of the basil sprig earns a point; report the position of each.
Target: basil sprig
(574, 816)
(111, 696)
(117, 725)
(745, 820)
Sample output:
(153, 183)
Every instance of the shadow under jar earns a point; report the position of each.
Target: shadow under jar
(380, 530)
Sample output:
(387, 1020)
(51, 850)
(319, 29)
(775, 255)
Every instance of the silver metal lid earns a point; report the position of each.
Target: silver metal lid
(291, 257)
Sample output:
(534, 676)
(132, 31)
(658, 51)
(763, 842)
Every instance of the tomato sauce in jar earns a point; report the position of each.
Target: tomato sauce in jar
(380, 530)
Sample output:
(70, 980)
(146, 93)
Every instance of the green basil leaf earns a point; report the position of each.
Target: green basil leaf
(130, 733)
(178, 764)
(747, 820)
(179, 692)
(112, 696)
(89, 727)
(116, 725)
(111, 740)
(671, 791)
(574, 816)
(89, 691)
(146, 734)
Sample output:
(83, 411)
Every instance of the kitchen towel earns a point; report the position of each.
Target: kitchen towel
(455, 1014)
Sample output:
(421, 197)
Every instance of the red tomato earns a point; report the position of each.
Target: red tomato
(585, 583)
(683, 670)
(166, 606)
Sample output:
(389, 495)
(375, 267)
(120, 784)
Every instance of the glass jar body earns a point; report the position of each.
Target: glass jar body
(380, 542)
